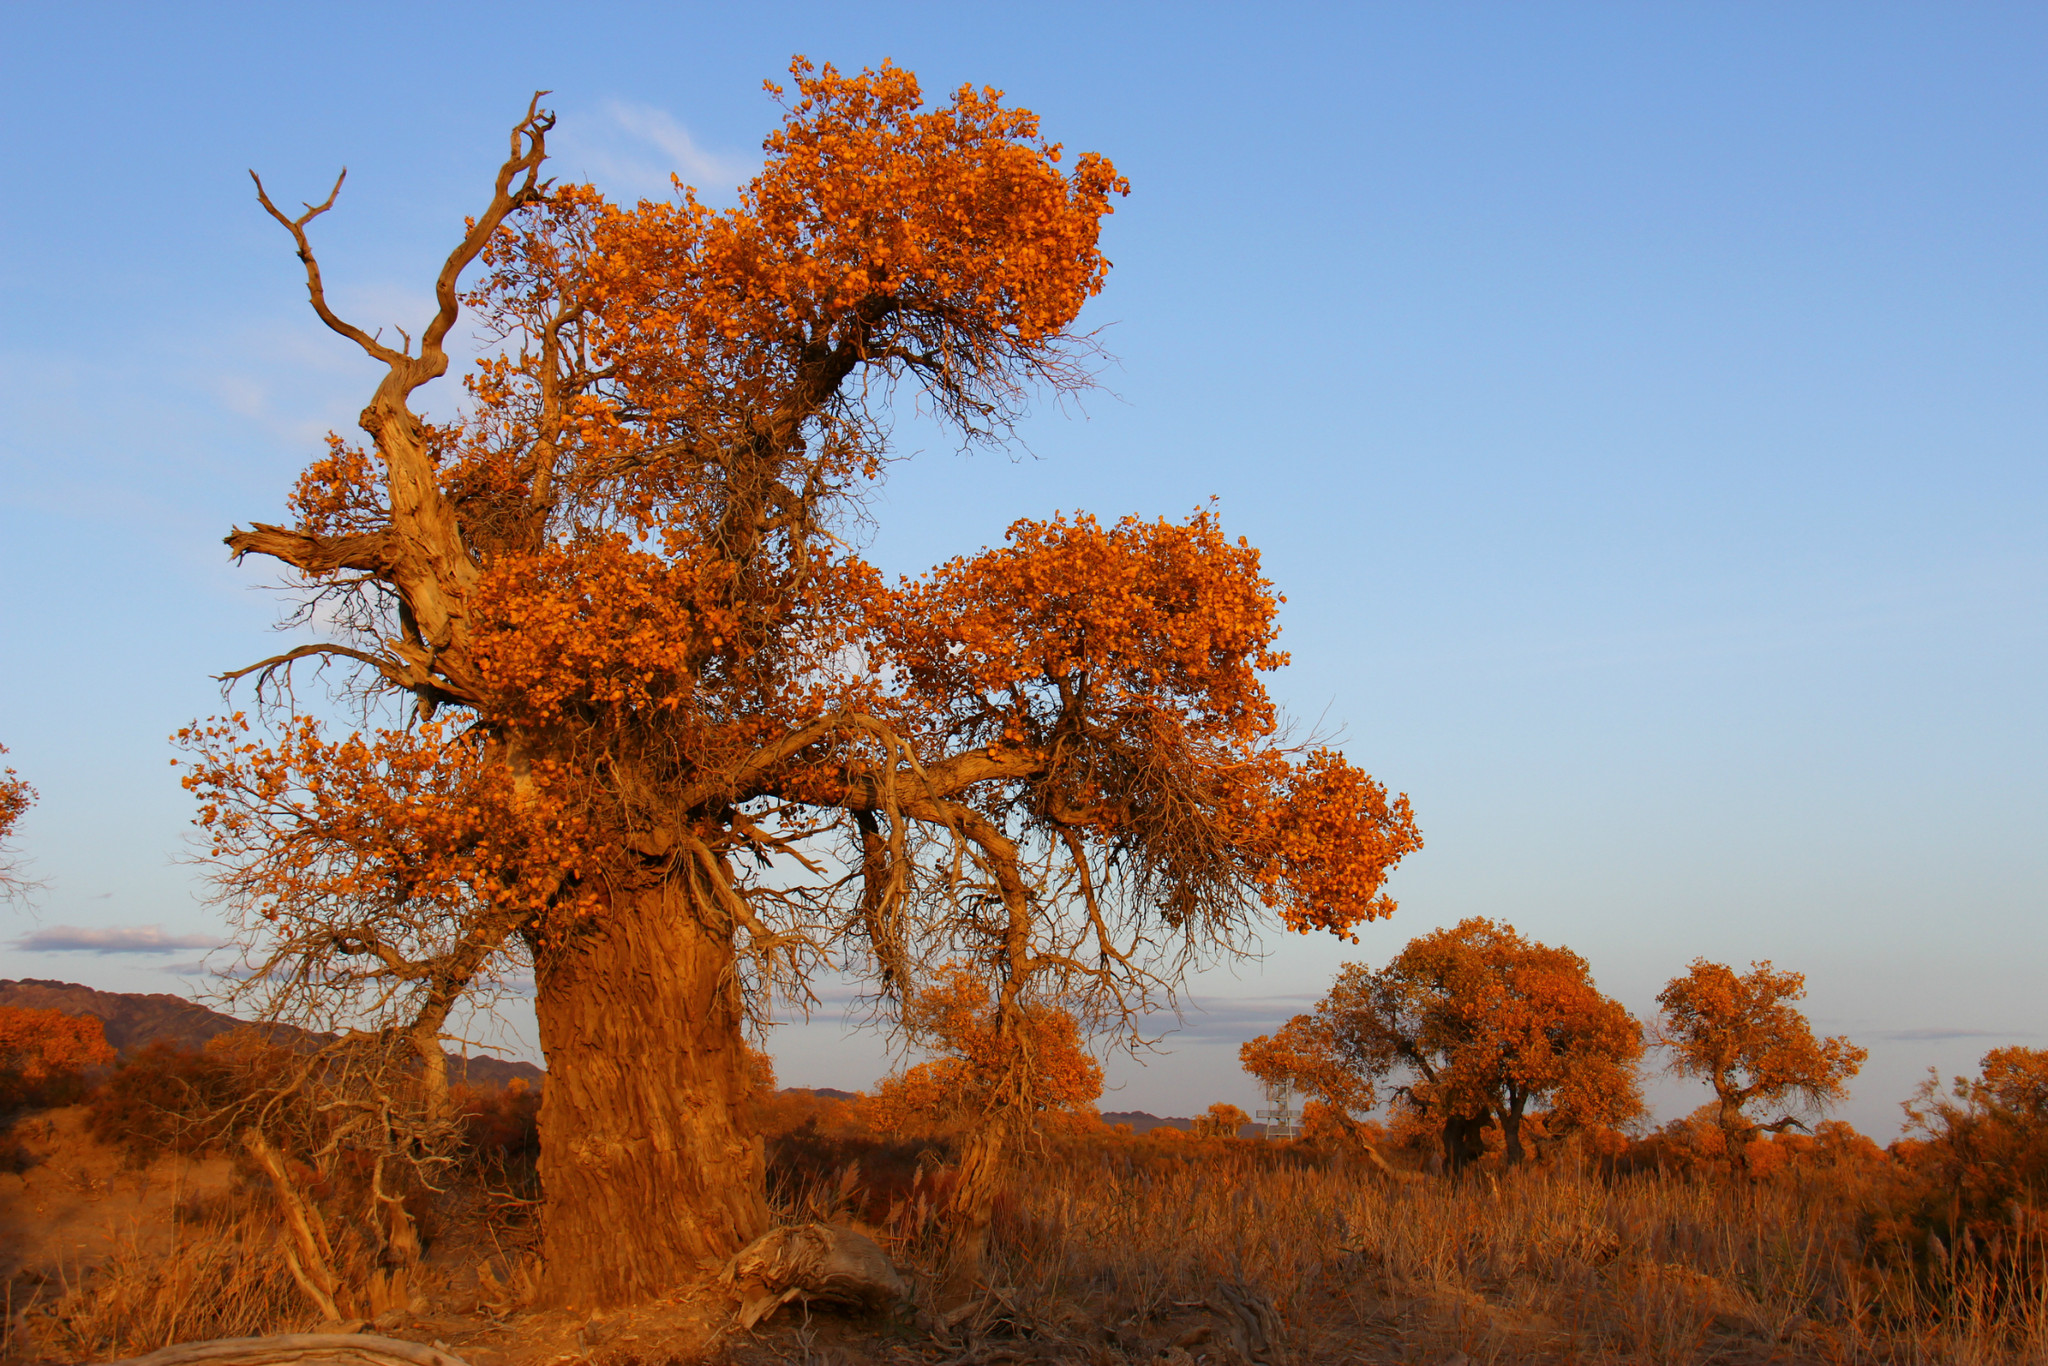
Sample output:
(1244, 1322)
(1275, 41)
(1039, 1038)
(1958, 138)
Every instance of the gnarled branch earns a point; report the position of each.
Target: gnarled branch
(366, 552)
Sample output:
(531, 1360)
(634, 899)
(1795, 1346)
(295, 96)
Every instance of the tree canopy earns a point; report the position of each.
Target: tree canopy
(1742, 1035)
(1475, 1024)
(43, 1050)
(674, 744)
(975, 1061)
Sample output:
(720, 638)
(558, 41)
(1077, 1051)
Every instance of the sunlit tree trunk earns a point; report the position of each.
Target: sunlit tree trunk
(648, 1173)
(982, 1171)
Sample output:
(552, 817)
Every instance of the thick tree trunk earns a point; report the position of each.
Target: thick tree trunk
(1735, 1128)
(1464, 1140)
(1511, 1130)
(649, 1177)
(982, 1170)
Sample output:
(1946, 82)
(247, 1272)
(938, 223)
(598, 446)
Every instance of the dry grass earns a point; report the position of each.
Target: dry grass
(1126, 1250)
(1547, 1265)
(220, 1276)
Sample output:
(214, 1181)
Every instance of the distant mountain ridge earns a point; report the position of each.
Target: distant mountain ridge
(1142, 1122)
(1139, 1120)
(133, 1019)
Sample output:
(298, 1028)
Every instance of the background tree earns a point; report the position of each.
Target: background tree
(45, 1054)
(957, 1019)
(1477, 1024)
(1307, 1054)
(1743, 1036)
(1971, 1174)
(677, 746)
(1221, 1120)
(16, 797)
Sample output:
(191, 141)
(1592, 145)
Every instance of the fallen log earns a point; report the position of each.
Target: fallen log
(298, 1349)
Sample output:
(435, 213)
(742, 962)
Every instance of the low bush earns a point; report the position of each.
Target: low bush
(1968, 1209)
(48, 1058)
(169, 1098)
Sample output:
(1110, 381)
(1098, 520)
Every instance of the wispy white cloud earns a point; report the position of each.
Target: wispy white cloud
(111, 939)
(633, 149)
(1226, 1019)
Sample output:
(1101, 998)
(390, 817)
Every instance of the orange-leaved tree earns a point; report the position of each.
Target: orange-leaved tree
(1221, 1120)
(44, 1054)
(1742, 1035)
(16, 797)
(975, 1070)
(676, 745)
(1477, 1024)
(1975, 1168)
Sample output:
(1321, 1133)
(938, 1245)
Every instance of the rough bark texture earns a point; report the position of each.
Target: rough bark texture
(645, 1164)
(974, 1203)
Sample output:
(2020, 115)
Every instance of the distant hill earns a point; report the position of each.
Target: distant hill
(1139, 1120)
(828, 1092)
(133, 1019)
(1142, 1122)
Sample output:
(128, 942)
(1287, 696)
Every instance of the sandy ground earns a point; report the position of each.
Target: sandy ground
(75, 1199)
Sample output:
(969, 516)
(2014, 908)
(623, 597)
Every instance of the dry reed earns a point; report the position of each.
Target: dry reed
(1113, 1251)
(1545, 1265)
(219, 1275)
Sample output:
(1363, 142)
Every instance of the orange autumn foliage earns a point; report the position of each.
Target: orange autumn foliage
(678, 745)
(391, 822)
(1309, 1055)
(920, 238)
(16, 797)
(45, 1053)
(1220, 1120)
(1742, 1036)
(1973, 1175)
(1156, 632)
(1479, 1025)
(1035, 1064)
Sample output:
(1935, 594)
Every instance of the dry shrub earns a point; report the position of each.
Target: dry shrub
(221, 1276)
(1140, 1238)
(501, 1135)
(784, 1112)
(338, 1131)
(894, 1189)
(1221, 1120)
(169, 1098)
(223, 1269)
(1968, 1213)
(47, 1058)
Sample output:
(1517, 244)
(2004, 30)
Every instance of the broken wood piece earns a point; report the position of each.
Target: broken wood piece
(298, 1349)
(826, 1263)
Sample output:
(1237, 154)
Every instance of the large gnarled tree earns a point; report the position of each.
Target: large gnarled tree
(678, 746)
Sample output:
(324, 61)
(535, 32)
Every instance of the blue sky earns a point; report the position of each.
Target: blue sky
(1642, 408)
